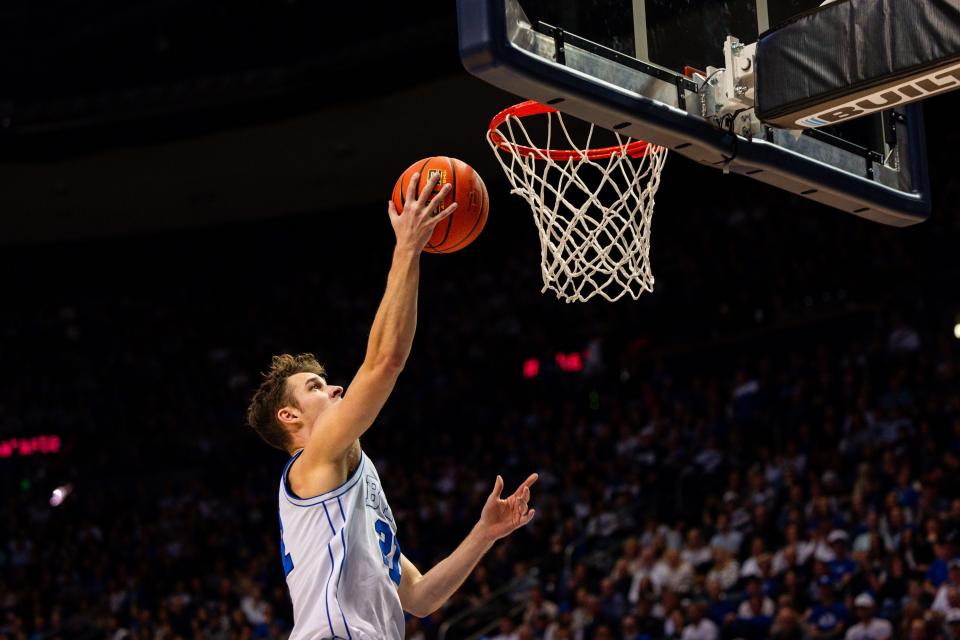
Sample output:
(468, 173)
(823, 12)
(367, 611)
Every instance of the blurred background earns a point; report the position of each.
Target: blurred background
(189, 188)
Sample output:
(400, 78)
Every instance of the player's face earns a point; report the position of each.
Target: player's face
(313, 394)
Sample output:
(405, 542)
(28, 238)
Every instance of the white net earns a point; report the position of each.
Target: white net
(592, 207)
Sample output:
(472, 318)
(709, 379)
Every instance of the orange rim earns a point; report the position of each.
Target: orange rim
(636, 149)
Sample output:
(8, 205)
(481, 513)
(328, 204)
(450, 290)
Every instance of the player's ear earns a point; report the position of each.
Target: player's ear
(287, 415)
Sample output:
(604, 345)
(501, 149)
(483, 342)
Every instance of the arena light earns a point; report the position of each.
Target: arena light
(531, 368)
(59, 495)
(572, 362)
(956, 331)
(569, 362)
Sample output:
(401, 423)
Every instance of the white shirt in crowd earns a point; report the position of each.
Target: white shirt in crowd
(751, 567)
(767, 608)
(638, 577)
(940, 603)
(697, 557)
(875, 629)
(704, 630)
(546, 608)
(255, 610)
(727, 575)
(780, 562)
(678, 579)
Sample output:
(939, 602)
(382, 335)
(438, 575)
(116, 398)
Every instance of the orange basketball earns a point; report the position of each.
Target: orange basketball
(468, 191)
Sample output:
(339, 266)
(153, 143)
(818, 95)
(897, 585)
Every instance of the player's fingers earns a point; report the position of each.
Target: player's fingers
(445, 213)
(392, 209)
(528, 517)
(437, 199)
(428, 188)
(524, 489)
(497, 488)
(412, 187)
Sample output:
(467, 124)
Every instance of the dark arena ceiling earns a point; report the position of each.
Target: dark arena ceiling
(118, 117)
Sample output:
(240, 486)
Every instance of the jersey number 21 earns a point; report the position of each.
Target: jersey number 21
(388, 544)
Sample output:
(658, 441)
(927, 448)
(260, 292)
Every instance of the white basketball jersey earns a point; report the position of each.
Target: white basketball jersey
(342, 560)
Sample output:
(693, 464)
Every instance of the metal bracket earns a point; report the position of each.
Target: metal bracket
(562, 37)
(739, 82)
(561, 55)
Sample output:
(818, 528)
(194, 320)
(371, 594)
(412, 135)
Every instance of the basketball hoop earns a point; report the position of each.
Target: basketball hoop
(594, 229)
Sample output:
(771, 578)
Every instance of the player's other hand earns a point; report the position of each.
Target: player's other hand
(501, 517)
(414, 225)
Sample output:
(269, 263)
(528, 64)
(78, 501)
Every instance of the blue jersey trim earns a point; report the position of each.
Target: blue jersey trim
(323, 497)
(343, 541)
(326, 592)
(329, 521)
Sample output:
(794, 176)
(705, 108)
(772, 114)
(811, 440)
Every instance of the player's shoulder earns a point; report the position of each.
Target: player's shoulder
(306, 487)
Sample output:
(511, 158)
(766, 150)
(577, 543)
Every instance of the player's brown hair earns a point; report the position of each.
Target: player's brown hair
(273, 394)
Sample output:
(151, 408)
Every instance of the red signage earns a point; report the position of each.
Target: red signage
(19, 447)
(566, 362)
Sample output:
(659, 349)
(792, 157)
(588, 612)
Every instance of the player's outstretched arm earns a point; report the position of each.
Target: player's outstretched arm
(421, 595)
(391, 336)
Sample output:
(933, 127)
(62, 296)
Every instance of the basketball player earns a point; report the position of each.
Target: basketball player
(347, 576)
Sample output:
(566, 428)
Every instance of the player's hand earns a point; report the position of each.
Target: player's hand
(502, 517)
(414, 225)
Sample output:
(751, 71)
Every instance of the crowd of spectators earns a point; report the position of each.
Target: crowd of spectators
(817, 498)
(767, 446)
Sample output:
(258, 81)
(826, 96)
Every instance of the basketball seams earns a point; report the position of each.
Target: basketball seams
(478, 221)
(453, 183)
(398, 191)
